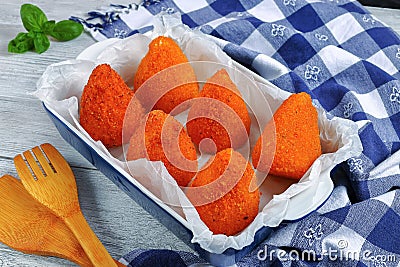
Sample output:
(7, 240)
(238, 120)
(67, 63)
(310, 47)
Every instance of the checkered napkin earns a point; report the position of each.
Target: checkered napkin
(348, 61)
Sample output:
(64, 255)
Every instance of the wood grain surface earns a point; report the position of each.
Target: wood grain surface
(118, 221)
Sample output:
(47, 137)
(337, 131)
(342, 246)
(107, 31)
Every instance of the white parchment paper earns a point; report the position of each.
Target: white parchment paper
(61, 85)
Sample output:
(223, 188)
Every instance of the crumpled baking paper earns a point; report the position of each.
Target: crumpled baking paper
(61, 85)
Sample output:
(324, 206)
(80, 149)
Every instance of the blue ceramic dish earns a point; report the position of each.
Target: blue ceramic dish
(166, 215)
(160, 212)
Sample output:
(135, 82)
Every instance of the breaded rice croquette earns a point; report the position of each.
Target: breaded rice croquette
(171, 87)
(224, 193)
(297, 139)
(103, 104)
(162, 138)
(220, 114)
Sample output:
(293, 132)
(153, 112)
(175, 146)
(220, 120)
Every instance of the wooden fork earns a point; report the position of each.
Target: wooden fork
(47, 176)
(28, 226)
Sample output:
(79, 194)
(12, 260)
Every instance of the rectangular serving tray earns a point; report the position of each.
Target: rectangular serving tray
(145, 198)
(161, 211)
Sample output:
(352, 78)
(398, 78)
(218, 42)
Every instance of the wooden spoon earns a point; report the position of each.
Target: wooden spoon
(47, 176)
(29, 227)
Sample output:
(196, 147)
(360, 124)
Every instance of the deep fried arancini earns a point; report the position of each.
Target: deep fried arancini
(169, 88)
(162, 138)
(297, 139)
(103, 104)
(225, 121)
(221, 193)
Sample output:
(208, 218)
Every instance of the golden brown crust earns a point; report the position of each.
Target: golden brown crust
(220, 114)
(221, 193)
(297, 139)
(104, 101)
(170, 88)
(163, 138)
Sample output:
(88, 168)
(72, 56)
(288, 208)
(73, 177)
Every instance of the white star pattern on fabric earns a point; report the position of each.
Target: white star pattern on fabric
(313, 234)
(347, 110)
(395, 95)
(368, 19)
(321, 37)
(398, 53)
(355, 165)
(278, 30)
(311, 73)
(289, 2)
(120, 33)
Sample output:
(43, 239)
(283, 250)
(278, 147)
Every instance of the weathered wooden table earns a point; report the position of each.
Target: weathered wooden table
(119, 222)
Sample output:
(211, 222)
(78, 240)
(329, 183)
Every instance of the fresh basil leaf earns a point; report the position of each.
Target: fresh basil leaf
(32, 17)
(31, 35)
(41, 42)
(48, 26)
(38, 27)
(66, 30)
(21, 43)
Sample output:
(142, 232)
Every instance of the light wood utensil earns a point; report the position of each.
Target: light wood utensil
(29, 227)
(47, 176)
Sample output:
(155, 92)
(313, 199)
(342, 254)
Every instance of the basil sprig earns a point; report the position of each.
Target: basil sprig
(38, 27)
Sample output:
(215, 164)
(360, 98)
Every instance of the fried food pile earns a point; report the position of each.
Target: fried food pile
(218, 123)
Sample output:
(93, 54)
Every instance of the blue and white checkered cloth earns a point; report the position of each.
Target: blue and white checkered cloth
(348, 61)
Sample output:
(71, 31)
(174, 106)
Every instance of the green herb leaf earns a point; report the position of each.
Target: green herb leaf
(41, 42)
(32, 17)
(66, 30)
(21, 43)
(38, 27)
(48, 26)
